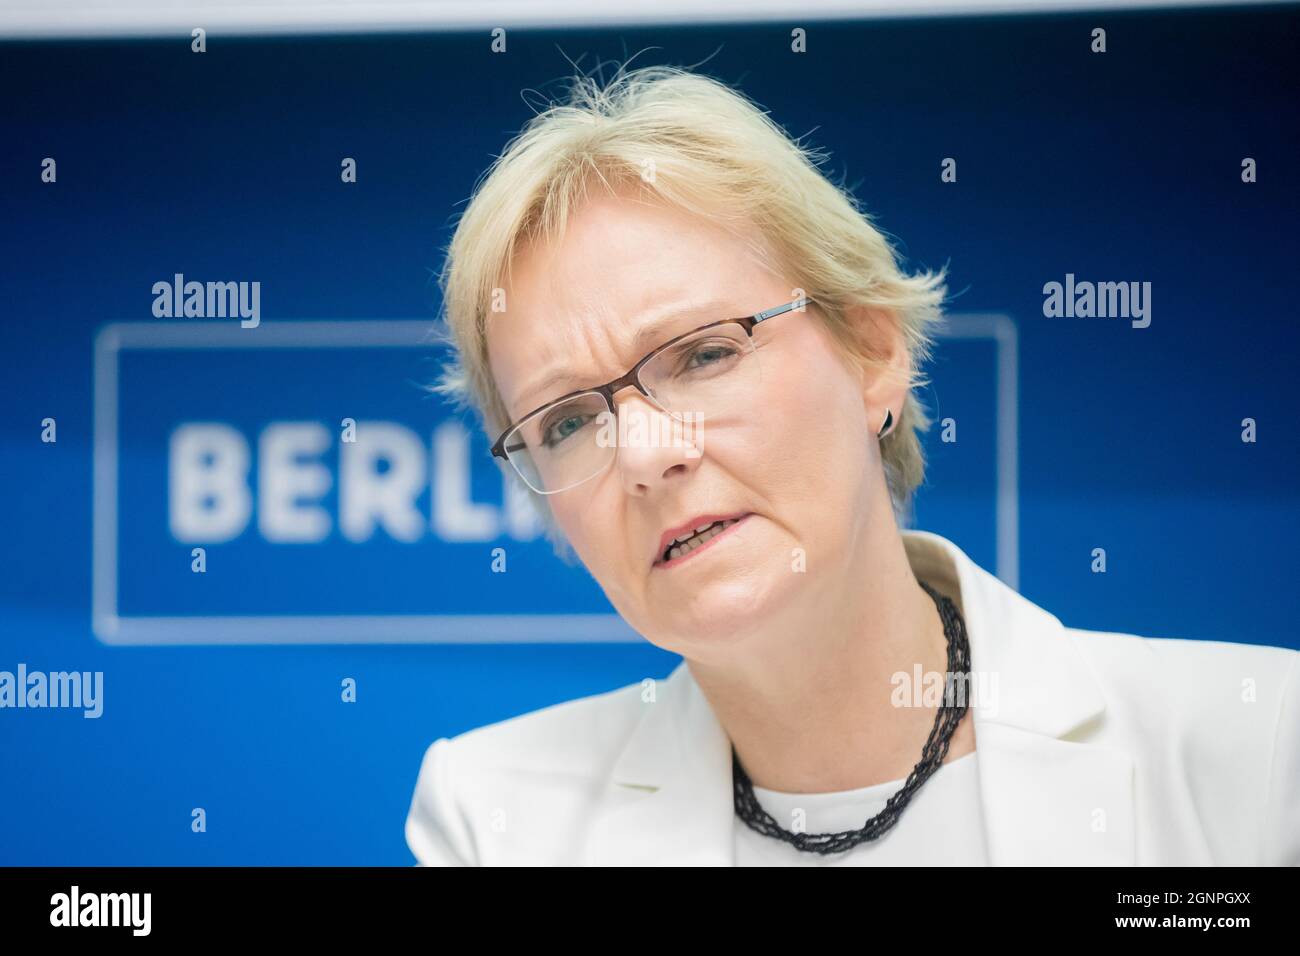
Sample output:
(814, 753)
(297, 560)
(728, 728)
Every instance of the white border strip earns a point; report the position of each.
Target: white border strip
(111, 628)
(378, 629)
(35, 19)
(1002, 331)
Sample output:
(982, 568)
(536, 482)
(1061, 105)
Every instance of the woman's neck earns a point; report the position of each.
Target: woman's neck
(813, 704)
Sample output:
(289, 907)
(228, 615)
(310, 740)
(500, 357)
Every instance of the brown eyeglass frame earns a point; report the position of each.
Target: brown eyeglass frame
(633, 377)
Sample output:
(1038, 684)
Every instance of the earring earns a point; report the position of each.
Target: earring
(886, 425)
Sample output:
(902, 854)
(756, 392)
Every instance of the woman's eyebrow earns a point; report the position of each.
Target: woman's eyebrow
(559, 376)
(651, 334)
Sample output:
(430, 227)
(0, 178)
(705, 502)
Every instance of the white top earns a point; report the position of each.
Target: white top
(942, 825)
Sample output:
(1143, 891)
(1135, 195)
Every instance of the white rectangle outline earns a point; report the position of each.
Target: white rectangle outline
(1002, 331)
(110, 628)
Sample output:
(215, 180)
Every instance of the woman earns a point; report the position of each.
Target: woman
(657, 254)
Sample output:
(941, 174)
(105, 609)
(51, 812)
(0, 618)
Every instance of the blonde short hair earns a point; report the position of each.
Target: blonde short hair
(712, 152)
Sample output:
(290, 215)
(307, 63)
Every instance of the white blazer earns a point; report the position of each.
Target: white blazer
(1103, 749)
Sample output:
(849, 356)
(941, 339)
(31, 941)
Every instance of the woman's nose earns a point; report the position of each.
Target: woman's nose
(653, 446)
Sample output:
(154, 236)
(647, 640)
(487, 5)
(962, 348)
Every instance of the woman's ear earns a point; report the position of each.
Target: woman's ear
(886, 384)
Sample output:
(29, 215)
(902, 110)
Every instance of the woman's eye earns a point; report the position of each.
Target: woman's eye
(708, 355)
(557, 431)
(709, 358)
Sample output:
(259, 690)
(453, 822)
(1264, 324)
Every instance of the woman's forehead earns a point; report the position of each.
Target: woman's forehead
(624, 246)
(619, 260)
(534, 364)
(625, 275)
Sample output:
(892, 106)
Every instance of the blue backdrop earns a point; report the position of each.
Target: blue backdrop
(1073, 433)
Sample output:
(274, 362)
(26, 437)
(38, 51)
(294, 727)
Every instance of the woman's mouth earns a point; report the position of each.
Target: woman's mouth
(681, 551)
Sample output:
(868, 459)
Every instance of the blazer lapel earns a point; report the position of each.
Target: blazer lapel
(668, 801)
(1050, 802)
(1047, 799)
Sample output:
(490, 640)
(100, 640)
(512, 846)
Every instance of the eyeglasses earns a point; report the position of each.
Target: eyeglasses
(709, 372)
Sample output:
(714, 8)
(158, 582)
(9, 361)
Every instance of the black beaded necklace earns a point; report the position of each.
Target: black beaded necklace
(950, 714)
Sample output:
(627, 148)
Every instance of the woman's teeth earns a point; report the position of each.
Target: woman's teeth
(689, 542)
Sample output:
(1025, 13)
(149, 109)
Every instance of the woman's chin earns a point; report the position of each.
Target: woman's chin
(720, 612)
